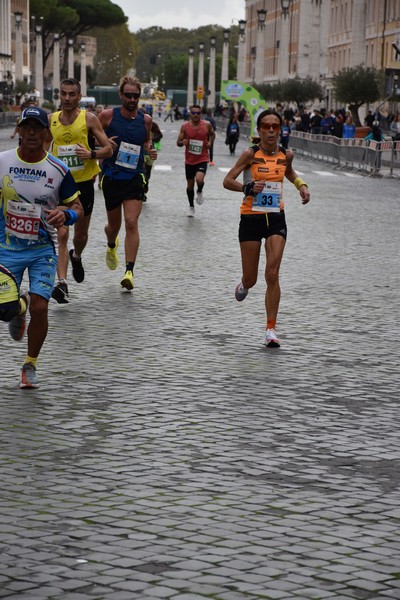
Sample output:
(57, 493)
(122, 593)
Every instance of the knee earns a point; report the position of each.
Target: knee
(63, 233)
(272, 276)
(131, 224)
(38, 307)
(249, 282)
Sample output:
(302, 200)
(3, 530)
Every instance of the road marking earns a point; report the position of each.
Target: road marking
(325, 173)
(166, 168)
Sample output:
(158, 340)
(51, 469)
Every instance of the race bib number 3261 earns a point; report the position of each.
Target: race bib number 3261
(23, 220)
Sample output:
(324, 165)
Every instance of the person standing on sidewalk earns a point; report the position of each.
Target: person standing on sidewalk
(74, 132)
(209, 117)
(264, 166)
(197, 135)
(124, 181)
(33, 184)
(232, 133)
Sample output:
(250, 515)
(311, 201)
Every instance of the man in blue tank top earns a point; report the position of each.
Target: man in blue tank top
(123, 181)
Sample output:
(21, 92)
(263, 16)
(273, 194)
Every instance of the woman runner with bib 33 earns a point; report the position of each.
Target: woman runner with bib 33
(264, 166)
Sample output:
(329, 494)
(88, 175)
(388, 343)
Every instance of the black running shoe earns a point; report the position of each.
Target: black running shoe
(60, 293)
(77, 268)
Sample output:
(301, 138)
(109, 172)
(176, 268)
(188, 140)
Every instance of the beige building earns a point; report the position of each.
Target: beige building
(288, 38)
(18, 50)
(14, 20)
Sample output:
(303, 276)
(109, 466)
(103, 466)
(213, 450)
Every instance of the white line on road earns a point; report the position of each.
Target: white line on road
(325, 173)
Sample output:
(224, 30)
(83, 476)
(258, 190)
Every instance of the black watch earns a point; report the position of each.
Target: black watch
(93, 154)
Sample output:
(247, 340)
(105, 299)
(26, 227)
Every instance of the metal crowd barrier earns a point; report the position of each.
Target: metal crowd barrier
(355, 154)
(8, 118)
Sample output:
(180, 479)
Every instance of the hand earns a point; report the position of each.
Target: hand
(82, 152)
(56, 217)
(153, 153)
(305, 194)
(253, 188)
(113, 143)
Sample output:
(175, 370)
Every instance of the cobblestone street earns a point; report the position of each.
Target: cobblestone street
(168, 453)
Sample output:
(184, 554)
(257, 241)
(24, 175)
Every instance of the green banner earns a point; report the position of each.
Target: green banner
(253, 102)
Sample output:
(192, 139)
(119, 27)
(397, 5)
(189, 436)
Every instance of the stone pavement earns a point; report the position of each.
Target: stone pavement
(168, 454)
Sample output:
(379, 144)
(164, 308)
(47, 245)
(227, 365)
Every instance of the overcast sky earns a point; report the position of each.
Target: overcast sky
(181, 13)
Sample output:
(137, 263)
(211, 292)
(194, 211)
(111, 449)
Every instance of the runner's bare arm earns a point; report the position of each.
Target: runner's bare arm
(292, 176)
(242, 162)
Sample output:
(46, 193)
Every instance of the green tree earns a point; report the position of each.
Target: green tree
(356, 86)
(22, 88)
(116, 51)
(70, 18)
(167, 51)
(299, 91)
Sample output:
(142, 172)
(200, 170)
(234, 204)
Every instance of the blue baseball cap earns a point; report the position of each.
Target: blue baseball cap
(33, 112)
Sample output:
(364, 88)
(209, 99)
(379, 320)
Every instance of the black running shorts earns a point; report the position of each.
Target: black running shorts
(86, 190)
(117, 190)
(253, 228)
(191, 170)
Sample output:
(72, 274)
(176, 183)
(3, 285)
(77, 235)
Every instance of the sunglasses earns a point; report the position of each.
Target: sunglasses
(131, 95)
(274, 126)
(195, 112)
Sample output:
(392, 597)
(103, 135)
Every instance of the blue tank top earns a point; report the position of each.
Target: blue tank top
(128, 159)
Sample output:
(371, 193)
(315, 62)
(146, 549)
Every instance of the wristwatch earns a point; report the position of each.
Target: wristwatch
(93, 154)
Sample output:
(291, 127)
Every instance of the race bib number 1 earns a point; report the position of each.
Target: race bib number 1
(23, 220)
(269, 200)
(128, 156)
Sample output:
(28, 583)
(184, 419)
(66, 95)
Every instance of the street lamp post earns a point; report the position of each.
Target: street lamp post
(39, 62)
(259, 66)
(83, 70)
(211, 75)
(200, 75)
(70, 58)
(56, 66)
(225, 59)
(190, 78)
(284, 45)
(241, 67)
(18, 46)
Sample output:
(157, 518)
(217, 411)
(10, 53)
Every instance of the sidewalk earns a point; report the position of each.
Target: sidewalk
(168, 454)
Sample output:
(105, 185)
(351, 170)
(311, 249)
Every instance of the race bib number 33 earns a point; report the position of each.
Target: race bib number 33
(269, 200)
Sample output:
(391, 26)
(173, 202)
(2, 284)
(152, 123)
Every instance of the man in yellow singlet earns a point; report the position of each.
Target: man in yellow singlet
(74, 132)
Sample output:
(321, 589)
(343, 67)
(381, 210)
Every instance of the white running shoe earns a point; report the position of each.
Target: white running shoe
(199, 198)
(191, 211)
(271, 339)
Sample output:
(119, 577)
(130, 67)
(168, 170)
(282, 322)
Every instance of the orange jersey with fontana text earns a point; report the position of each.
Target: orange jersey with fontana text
(270, 168)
